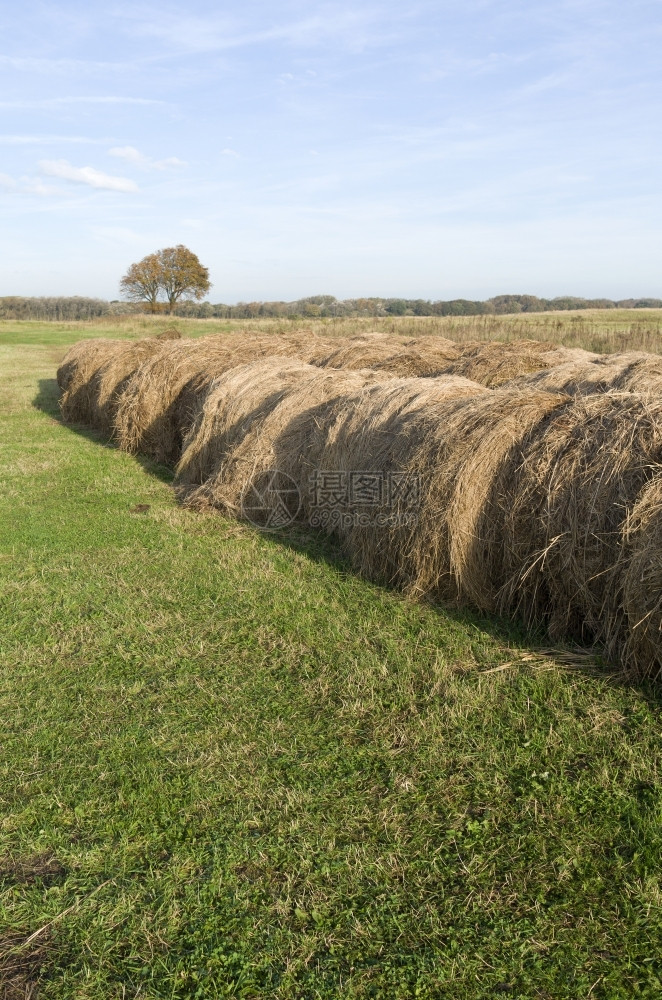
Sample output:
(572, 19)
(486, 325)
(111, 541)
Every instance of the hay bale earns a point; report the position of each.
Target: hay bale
(77, 377)
(261, 416)
(572, 377)
(562, 355)
(164, 395)
(493, 363)
(639, 643)
(524, 498)
(413, 364)
(636, 372)
(359, 352)
(112, 378)
(450, 437)
(79, 356)
(632, 372)
(172, 333)
(435, 344)
(425, 357)
(295, 435)
(562, 509)
(95, 373)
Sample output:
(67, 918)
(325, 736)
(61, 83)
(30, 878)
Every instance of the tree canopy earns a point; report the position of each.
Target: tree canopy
(175, 272)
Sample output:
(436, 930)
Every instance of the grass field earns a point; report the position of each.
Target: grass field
(229, 768)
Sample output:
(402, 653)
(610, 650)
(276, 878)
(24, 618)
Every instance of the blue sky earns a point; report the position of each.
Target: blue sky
(433, 149)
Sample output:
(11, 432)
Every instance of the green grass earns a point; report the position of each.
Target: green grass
(263, 777)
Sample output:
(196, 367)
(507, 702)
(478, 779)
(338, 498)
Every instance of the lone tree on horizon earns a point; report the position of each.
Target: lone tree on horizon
(175, 271)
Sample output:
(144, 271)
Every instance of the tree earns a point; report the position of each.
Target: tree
(142, 282)
(176, 272)
(182, 275)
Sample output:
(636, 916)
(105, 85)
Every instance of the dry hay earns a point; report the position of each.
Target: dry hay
(425, 357)
(160, 403)
(301, 427)
(572, 377)
(524, 498)
(413, 364)
(93, 394)
(172, 333)
(263, 416)
(76, 374)
(433, 343)
(493, 363)
(633, 372)
(243, 395)
(450, 438)
(562, 355)
(79, 357)
(641, 568)
(359, 352)
(562, 510)
(490, 363)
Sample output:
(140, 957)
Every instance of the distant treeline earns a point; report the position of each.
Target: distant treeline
(78, 308)
(56, 308)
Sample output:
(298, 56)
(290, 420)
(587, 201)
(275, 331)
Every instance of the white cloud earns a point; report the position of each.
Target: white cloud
(230, 152)
(87, 175)
(133, 155)
(6, 181)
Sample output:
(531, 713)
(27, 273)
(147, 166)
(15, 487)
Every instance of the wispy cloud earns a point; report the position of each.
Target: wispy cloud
(230, 152)
(27, 185)
(34, 185)
(56, 102)
(354, 28)
(43, 140)
(87, 175)
(61, 67)
(138, 159)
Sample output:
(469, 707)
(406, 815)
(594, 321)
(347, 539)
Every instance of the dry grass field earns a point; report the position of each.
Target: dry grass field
(605, 331)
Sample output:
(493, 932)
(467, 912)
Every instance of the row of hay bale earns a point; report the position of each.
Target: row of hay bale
(146, 392)
(534, 504)
(542, 504)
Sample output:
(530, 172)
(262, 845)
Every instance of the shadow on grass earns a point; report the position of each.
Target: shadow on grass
(47, 401)
(529, 646)
(321, 548)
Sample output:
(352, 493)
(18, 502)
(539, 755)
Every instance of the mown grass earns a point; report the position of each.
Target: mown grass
(229, 768)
